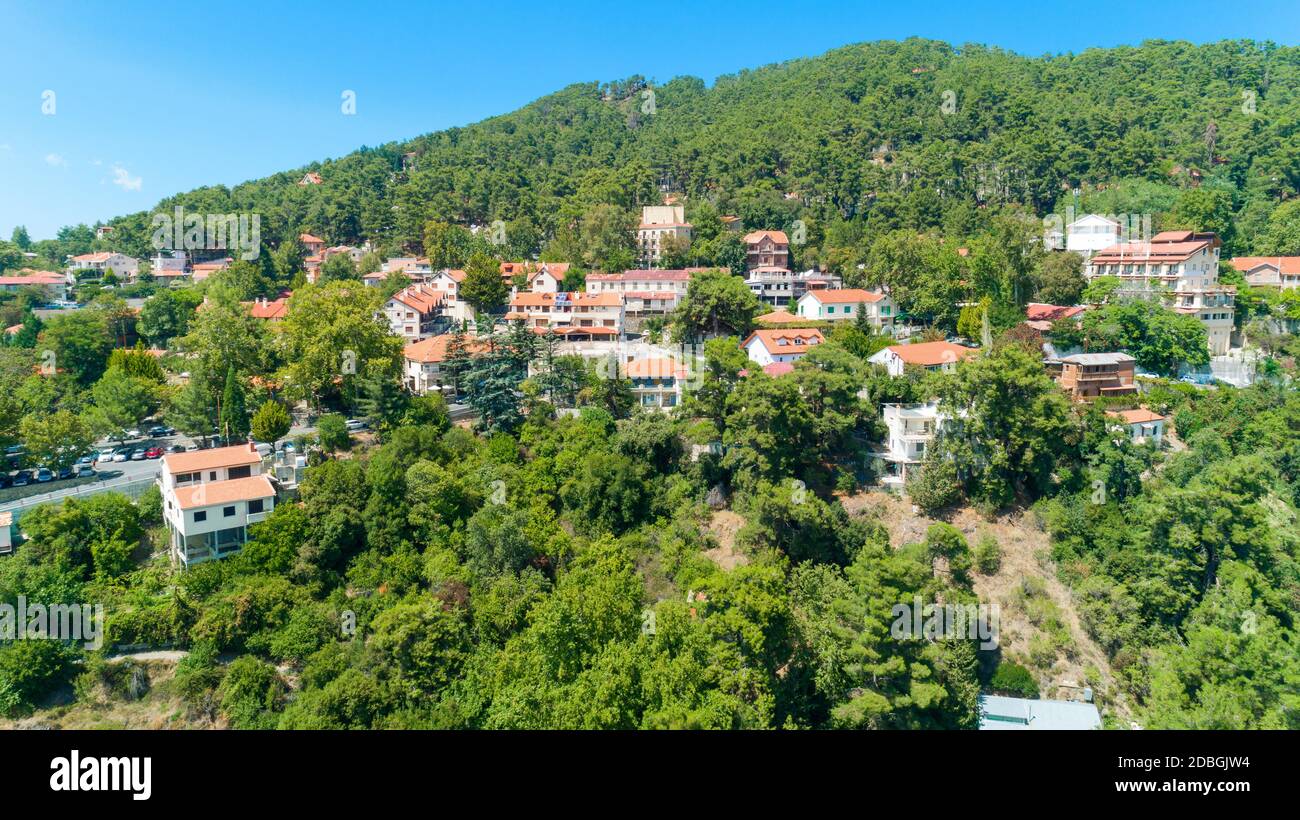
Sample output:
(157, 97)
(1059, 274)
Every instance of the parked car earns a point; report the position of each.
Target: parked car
(175, 448)
(357, 424)
(86, 471)
(107, 453)
(66, 473)
(43, 475)
(138, 454)
(88, 458)
(153, 452)
(159, 430)
(191, 447)
(5, 480)
(22, 478)
(133, 433)
(122, 454)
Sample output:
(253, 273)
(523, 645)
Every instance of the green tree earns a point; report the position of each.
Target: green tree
(271, 422)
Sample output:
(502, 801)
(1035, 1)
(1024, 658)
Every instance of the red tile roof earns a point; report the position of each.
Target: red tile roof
(434, 349)
(224, 492)
(796, 340)
(778, 237)
(1043, 312)
(930, 354)
(845, 295)
(1285, 264)
(235, 456)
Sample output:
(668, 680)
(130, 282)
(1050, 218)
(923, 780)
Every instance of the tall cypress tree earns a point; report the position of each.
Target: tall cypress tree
(234, 413)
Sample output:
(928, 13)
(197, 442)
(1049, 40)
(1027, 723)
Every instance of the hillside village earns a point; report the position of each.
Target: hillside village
(726, 451)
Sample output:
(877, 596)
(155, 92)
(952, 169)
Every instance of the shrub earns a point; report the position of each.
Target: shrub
(988, 554)
(1014, 679)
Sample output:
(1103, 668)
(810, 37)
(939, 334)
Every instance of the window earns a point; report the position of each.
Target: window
(239, 472)
(212, 476)
(201, 515)
(255, 506)
(228, 511)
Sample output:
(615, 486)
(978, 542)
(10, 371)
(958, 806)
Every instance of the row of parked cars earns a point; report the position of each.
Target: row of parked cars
(42, 475)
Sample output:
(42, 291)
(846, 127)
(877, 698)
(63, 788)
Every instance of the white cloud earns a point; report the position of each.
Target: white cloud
(55, 160)
(124, 180)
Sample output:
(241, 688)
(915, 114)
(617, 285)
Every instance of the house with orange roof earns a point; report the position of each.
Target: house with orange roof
(1142, 425)
(657, 381)
(271, 310)
(788, 345)
(933, 356)
(53, 283)
(849, 304)
(423, 368)
(767, 249)
(413, 311)
(576, 316)
(1040, 315)
(310, 178)
(541, 277)
(1281, 272)
(210, 498)
(313, 244)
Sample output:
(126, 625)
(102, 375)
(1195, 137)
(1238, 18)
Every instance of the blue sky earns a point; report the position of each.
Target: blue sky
(153, 98)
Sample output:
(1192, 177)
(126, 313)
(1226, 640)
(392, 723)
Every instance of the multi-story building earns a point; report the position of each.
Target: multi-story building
(423, 369)
(767, 249)
(847, 304)
(772, 285)
(660, 224)
(210, 497)
(1179, 268)
(644, 292)
(412, 312)
(1089, 375)
(910, 428)
(936, 356)
(1281, 272)
(573, 315)
(783, 345)
(657, 383)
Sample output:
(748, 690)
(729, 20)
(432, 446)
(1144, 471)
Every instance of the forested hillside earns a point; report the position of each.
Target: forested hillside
(856, 142)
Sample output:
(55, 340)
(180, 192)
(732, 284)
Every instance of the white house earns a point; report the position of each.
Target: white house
(6, 533)
(122, 266)
(423, 363)
(1091, 233)
(846, 304)
(787, 345)
(1143, 426)
(939, 356)
(210, 497)
(54, 284)
(1020, 714)
(910, 430)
